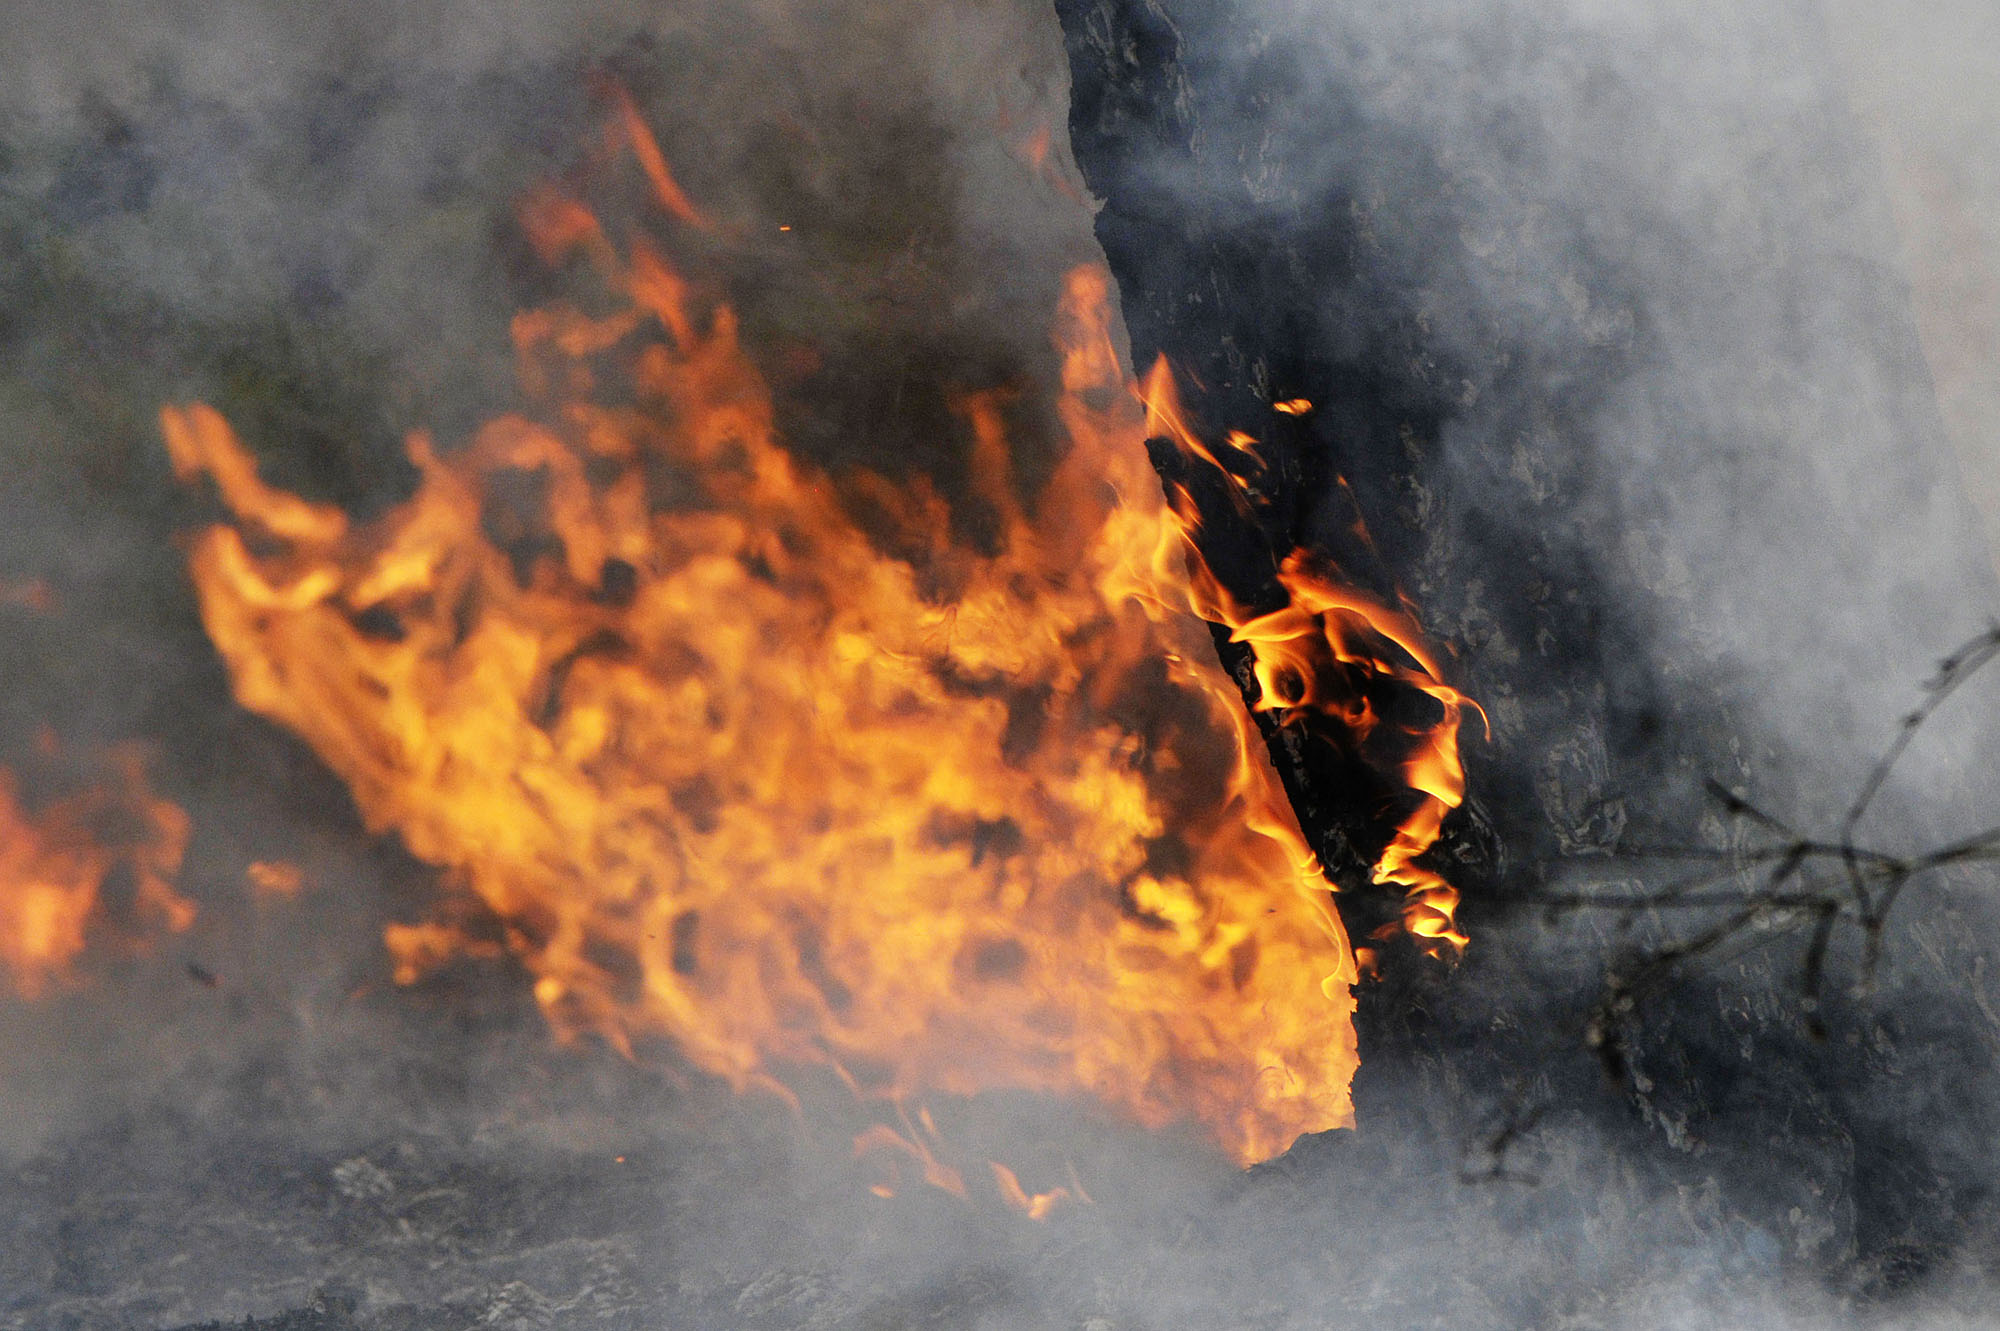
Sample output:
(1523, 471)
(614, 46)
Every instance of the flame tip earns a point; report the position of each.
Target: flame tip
(788, 799)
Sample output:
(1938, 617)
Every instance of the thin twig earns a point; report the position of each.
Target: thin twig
(1869, 882)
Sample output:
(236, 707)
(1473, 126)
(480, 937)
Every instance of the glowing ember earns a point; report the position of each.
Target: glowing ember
(95, 863)
(947, 820)
(274, 878)
(33, 594)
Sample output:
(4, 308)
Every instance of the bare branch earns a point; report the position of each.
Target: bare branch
(1862, 889)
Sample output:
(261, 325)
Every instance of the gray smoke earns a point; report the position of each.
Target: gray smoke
(303, 215)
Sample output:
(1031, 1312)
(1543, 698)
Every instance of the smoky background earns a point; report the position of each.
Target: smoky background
(1695, 228)
(1650, 431)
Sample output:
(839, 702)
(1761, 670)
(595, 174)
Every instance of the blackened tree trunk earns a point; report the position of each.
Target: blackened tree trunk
(1260, 289)
(1474, 328)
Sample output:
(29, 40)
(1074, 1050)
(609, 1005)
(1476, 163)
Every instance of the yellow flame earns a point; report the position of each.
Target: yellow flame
(945, 821)
(55, 860)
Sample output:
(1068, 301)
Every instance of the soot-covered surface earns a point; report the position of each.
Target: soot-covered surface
(1547, 344)
(1600, 315)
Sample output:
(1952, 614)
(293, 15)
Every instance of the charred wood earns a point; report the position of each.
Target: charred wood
(1243, 217)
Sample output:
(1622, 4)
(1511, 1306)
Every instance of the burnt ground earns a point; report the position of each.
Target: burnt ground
(483, 1185)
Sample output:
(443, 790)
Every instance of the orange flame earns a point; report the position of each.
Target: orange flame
(889, 1143)
(56, 862)
(1034, 1205)
(1324, 623)
(639, 137)
(727, 772)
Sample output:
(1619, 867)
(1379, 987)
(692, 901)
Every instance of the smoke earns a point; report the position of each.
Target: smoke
(1916, 83)
(1670, 466)
(1657, 274)
(1664, 231)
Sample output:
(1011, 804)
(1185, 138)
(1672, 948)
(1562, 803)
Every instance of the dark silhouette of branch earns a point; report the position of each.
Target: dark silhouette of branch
(1496, 1147)
(1801, 882)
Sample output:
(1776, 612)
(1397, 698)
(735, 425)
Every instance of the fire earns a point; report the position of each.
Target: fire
(768, 763)
(1316, 658)
(1034, 1205)
(97, 861)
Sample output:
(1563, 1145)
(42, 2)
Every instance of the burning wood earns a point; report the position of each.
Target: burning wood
(1338, 669)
